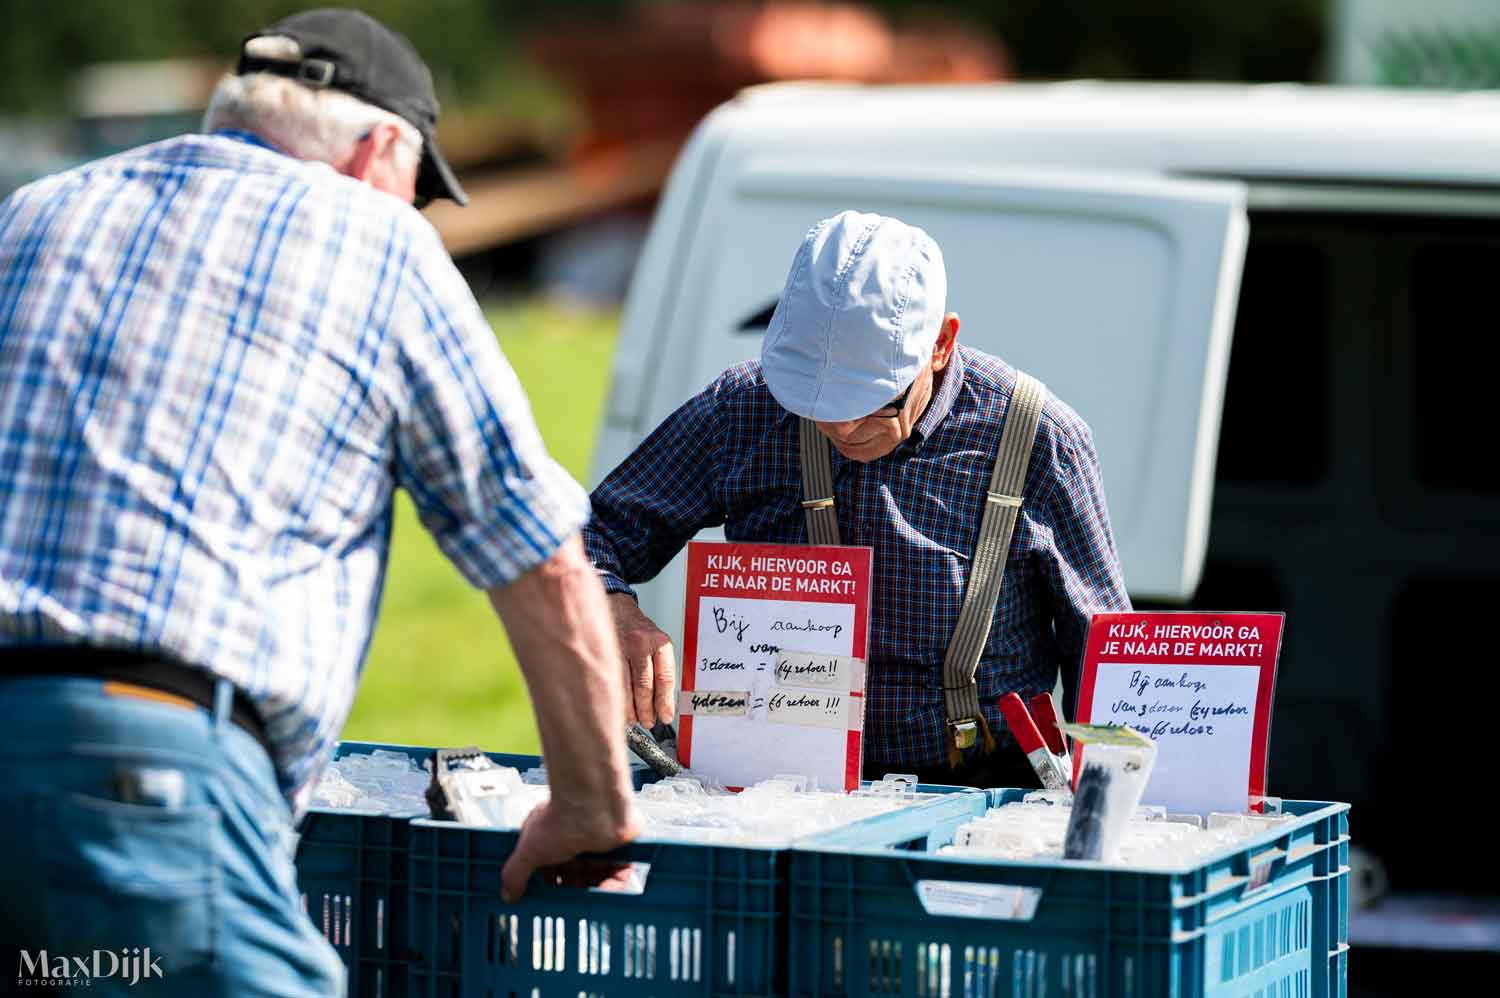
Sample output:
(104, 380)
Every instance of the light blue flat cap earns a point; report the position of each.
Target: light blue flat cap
(857, 319)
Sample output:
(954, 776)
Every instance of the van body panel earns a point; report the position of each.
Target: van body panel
(1141, 355)
(1285, 131)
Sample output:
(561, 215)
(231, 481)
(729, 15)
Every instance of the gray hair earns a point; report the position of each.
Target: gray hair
(307, 122)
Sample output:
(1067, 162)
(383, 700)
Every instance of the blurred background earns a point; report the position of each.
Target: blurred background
(563, 120)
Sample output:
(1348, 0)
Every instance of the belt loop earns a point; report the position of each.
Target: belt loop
(223, 706)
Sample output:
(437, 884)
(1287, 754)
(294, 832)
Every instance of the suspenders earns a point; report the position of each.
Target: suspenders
(817, 486)
(965, 721)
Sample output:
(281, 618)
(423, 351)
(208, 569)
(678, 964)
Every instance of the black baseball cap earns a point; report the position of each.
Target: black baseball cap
(349, 50)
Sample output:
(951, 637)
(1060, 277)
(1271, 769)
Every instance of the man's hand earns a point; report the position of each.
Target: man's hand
(650, 663)
(550, 838)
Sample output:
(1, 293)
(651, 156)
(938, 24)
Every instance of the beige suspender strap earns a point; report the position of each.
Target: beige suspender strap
(1001, 509)
(997, 524)
(817, 486)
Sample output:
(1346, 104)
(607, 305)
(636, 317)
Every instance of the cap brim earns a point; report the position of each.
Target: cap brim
(436, 179)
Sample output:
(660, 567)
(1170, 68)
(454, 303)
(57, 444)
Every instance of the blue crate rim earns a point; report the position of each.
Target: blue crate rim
(429, 822)
(932, 791)
(347, 747)
(808, 843)
(344, 748)
(359, 812)
(1325, 810)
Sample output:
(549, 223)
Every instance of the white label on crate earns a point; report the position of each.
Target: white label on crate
(963, 899)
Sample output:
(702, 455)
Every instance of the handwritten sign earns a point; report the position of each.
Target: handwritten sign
(735, 703)
(818, 710)
(774, 646)
(836, 672)
(1198, 684)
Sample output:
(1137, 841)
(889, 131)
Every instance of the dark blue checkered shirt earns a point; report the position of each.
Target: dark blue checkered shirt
(730, 456)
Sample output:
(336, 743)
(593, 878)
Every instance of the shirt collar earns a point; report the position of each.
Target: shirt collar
(250, 138)
(942, 402)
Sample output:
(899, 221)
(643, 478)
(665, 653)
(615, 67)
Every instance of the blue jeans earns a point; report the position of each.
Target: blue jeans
(144, 846)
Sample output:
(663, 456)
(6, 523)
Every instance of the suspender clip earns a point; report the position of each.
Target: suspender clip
(965, 732)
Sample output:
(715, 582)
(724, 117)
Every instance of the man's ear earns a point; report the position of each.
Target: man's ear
(375, 161)
(947, 341)
(362, 160)
(372, 152)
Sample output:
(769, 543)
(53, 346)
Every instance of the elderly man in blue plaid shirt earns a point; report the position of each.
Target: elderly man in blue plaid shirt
(219, 356)
(861, 344)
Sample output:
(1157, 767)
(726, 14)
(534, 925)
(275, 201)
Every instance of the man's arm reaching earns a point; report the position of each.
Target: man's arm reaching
(560, 628)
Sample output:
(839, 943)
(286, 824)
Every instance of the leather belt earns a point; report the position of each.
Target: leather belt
(151, 671)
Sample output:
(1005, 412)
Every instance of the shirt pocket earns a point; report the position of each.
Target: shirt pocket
(122, 875)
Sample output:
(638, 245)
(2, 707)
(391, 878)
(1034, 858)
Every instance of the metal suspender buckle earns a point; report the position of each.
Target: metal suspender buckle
(965, 732)
(1001, 499)
(818, 503)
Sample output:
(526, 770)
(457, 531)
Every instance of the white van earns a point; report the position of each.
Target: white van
(1271, 303)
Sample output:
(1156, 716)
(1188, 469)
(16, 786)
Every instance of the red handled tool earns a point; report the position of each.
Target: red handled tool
(1030, 739)
(1044, 709)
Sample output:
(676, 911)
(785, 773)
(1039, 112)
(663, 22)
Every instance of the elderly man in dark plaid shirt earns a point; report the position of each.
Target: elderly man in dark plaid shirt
(910, 480)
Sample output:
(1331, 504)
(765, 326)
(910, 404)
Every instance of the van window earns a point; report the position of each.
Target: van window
(1280, 353)
(1360, 498)
(1451, 324)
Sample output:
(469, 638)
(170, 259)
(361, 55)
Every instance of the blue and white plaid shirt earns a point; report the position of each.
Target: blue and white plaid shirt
(216, 363)
(730, 456)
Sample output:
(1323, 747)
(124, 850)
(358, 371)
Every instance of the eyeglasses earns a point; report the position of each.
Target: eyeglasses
(893, 408)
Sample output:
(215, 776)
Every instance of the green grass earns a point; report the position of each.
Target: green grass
(441, 671)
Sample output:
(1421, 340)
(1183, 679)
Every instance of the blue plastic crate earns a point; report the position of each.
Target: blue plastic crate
(351, 870)
(711, 920)
(873, 912)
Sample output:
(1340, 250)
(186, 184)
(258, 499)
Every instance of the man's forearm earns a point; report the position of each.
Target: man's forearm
(561, 630)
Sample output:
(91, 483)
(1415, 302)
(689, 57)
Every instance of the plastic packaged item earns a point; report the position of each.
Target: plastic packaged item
(1117, 765)
(383, 781)
(468, 787)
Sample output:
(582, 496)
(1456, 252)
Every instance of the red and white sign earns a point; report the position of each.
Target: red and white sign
(774, 649)
(1198, 684)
